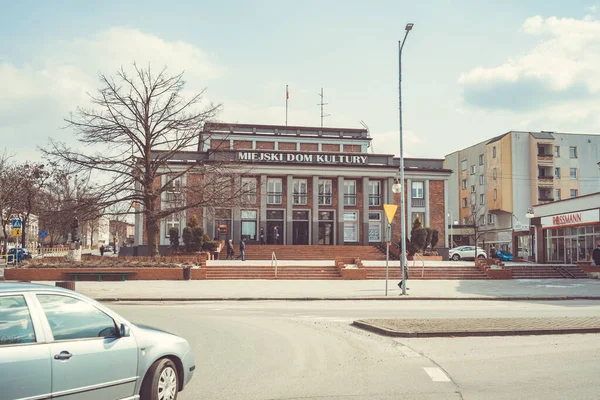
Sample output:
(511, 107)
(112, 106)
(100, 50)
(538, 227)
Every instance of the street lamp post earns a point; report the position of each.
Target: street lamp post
(529, 216)
(408, 28)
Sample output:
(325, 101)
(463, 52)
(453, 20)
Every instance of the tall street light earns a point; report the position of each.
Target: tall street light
(399, 187)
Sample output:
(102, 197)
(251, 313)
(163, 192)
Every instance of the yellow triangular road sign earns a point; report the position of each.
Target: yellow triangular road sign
(390, 211)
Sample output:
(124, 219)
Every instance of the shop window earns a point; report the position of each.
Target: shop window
(374, 193)
(300, 194)
(274, 191)
(351, 226)
(325, 192)
(249, 224)
(249, 190)
(349, 193)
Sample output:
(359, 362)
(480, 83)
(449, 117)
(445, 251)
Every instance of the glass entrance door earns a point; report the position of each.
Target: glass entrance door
(326, 233)
(300, 227)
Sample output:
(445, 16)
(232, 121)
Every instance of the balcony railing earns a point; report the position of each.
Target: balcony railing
(546, 180)
(349, 199)
(325, 199)
(300, 199)
(546, 199)
(417, 202)
(545, 159)
(374, 200)
(274, 197)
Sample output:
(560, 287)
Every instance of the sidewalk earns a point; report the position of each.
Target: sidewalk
(534, 289)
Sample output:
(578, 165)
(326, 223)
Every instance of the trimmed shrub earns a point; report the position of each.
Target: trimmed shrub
(435, 238)
(418, 238)
(210, 245)
(174, 238)
(188, 238)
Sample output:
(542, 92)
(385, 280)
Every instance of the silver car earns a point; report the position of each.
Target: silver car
(58, 343)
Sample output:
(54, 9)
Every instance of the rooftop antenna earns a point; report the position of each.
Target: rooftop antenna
(363, 123)
(322, 104)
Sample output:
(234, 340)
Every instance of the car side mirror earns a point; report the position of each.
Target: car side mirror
(124, 331)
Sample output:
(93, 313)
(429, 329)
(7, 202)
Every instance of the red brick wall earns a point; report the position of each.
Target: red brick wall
(265, 145)
(219, 144)
(352, 148)
(335, 148)
(309, 147)
(287, 146)
(437, 218)
(242, 145)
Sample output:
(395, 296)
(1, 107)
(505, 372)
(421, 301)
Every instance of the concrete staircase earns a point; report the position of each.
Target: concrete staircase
(243, 271)
(428, 272)
(547, 272)
(304, 252)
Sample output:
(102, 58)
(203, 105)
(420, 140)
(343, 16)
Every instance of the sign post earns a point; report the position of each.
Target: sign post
(390, 211)
(17, 225)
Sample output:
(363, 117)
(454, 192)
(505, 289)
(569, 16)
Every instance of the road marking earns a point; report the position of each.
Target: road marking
(408, 352)
(436, 374)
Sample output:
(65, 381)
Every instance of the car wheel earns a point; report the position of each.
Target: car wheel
(455, 257)
(161, 381)
(480, 256)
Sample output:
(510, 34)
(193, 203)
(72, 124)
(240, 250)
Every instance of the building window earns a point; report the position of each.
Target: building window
(481, 179)
(494, 152)
(300, 195)
(472, 170)
(556, 151)
(557, 173)
(173, 191)
(572, 152)
(249, 224)
(463, 165)
(173, 221)
(464, 183)
(325, 192)
(473, 189)
(374, 227)
(249, 190)
(464, 202)
(351, 226)
(374, 193)
(573, 173)
(573, 193)
(495, 194)
(557, 194)
(481, 159)
(481, 199)
(274, 191)
(491, 219)
(494, 173)
(349, 193)
(464, 220)
(417, 190)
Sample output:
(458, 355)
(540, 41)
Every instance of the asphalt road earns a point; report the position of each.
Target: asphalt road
(307, 350)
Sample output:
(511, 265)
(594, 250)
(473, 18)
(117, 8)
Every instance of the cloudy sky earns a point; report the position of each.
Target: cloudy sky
(471, 69)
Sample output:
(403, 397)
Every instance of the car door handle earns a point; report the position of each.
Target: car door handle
(64, 355)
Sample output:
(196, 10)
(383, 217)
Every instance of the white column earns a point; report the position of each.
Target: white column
(427, 221)
(408, 192)
(446, 230)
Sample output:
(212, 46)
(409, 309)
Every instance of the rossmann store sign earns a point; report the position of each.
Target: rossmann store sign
(571, 219)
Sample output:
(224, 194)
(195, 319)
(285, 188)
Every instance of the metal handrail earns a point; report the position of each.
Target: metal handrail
(423, 262)
(274, 259)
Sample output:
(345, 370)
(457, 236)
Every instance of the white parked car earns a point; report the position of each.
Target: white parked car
(465, 253)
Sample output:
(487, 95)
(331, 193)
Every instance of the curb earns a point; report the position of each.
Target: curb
(392, 333)
(193, 299)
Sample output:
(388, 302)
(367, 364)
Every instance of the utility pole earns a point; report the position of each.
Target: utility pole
(322, 104)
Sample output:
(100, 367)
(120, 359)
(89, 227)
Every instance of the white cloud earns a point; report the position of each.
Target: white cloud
(36, 96)
(563, 66)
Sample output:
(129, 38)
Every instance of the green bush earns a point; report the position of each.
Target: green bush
(210, 245)
(174, 238)
(197, 235)
(435, 238)
(188, 238)
(418, 238)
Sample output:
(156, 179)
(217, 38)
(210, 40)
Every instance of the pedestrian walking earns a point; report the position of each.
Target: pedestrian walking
(405, 277)
(262, 236)
(276, 234)
(230, 251)
(596, 255)
(101, 250)
(242, 250)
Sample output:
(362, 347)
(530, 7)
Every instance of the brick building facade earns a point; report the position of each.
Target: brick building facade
(316, 185)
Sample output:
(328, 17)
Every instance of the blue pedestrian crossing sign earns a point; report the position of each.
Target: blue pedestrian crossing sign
(17, 224)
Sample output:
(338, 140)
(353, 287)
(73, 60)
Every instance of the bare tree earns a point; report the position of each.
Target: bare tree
(136, 140)
(31, 178)
(8, 192)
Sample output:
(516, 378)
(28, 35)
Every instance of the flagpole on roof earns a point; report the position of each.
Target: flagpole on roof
(287, 96)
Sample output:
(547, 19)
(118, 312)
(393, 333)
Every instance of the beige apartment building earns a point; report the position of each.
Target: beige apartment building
(496, 182)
